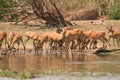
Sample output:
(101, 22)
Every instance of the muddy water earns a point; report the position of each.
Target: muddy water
(66, 67)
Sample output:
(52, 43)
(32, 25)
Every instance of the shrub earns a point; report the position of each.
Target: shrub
(7, 73)
(115, 12)
(26, 74)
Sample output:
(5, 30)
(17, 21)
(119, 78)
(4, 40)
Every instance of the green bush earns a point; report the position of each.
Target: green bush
(26, 74)
(7, 73)
(115, 12)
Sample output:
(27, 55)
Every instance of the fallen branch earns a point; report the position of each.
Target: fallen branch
(101, 50)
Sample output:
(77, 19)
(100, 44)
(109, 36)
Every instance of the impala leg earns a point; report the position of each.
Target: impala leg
(114, 42)
(12, 46)
(23, 44)
(91, 44)
(117, 42)
(9, 43)
(6, 42)
(73, 45)
(95, 44)
(66, 46)
(86, 44)
(104, 42)
(35, 46)
(18, 43)
(109, 41)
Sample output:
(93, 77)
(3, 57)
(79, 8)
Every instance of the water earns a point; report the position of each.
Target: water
(54, 67)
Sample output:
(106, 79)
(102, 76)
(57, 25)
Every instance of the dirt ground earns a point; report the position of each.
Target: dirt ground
(84, 25)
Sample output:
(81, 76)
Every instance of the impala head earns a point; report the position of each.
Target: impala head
(68, 28)
(110, 29)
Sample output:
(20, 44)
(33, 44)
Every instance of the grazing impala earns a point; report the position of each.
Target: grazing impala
(17, 39)
(43, 39)
(3, 36)
(56, 39)
(31, 35)
(114, 34)
(52, 38)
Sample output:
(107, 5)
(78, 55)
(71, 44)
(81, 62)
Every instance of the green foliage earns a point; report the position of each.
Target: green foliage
(4, 4)
(7, 73)
(44, 71)
(83, 73)
(14, 17)
(25, 74)
(115, 12)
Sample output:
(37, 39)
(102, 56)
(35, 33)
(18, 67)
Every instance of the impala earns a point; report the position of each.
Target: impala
(17, 39)
(3, 36)
(56, 39)
(42, 39)
(114, 34)
(95, 35)
(71, 36)
(30, 35)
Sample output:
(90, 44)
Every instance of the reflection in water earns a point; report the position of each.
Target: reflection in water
(16, 63)
(77, 63)
(4, 63)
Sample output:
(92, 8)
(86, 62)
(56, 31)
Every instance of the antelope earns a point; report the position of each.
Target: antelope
(95, 35)
(31, 35)
(85, 40)
(42, 39)
(114, 34)
(91, 36)
(3, 36)
(17, 39)
(71, 36)
(35, 37)
(56, 39)
(52, 38)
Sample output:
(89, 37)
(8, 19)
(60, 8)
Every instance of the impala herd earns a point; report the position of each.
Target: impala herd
(66, 39)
